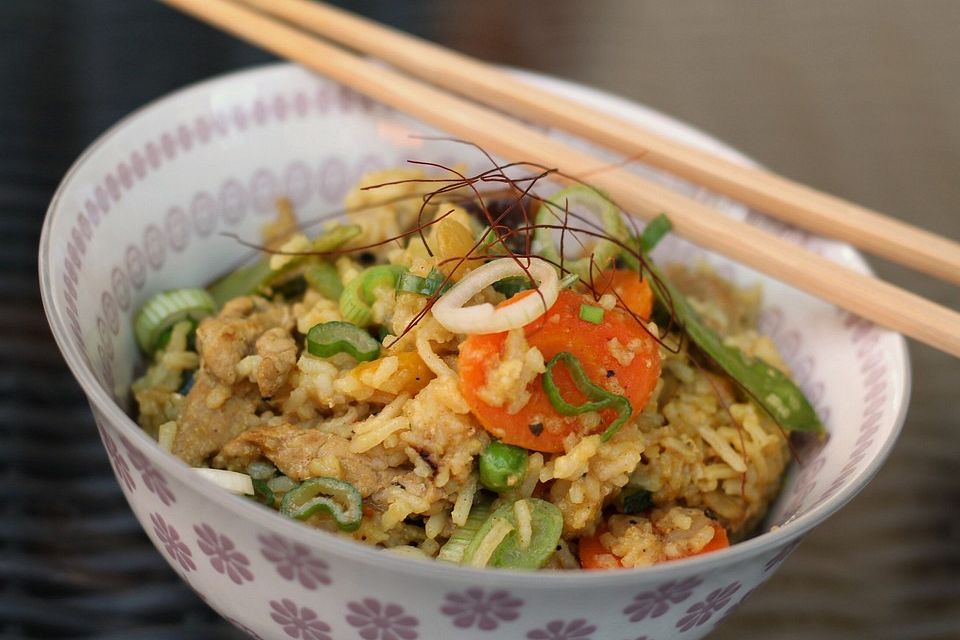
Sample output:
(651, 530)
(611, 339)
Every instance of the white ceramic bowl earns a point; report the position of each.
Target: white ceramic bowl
(143, 210)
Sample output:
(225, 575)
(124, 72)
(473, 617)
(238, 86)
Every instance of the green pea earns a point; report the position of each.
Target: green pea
(502, 466)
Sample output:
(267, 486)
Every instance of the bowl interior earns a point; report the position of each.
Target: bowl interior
(147, 206)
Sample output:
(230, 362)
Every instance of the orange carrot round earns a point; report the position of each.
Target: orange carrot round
(616, 354)
(633, 291)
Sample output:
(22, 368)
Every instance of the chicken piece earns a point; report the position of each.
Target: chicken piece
(278, 356)
(213, 415)
(299, 453)
(223, 341)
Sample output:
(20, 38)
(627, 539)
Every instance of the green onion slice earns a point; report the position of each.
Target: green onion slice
(590, 313)
(324, 277)
(263, 494)
(330, 338)
(599, 398)
(358, 294)
(633, 502)
(428, 286)
(502, 466)
(547, 525)
(335, 497)
(590, 203)
(512, 285)
(654, 232)
(456, 545)
(166, 309)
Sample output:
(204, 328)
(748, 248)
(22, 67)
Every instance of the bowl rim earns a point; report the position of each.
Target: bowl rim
(372, 557)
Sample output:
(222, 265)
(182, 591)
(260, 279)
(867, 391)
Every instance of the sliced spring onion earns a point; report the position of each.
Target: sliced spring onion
(587, 202)
(502, 466)
(633, 502)
(239, 483)
(261, 470)
(456, 545)
(256, 277)
(323, 277)
(281, 484)
(599, 398)
(165, 309)
(428, 286)
(358, 294)
(546, 523)
(590, 313)
(330, 338)
(339, 499)
(485, 318)
(511, 286)
(569, 280)
(263, 494)
(654, 232)
(290, 288)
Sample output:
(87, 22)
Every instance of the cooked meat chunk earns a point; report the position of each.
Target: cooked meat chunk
(213, 415)
(278, 355)
(225, 340)
(298, 453)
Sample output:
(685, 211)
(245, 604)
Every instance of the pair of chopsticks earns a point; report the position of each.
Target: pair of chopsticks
(283, 26)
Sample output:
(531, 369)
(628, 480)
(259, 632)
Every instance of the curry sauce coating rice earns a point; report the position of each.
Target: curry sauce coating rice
(400, 431)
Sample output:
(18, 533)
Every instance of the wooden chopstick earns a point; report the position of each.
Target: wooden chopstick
(775, 195)
(863, 295)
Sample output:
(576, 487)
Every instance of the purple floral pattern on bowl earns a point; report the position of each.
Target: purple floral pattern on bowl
(302, 623)
(294, 561)
(376, 621)
(701, 612)
(153, 480)
(224, 557)
(578, 629)
(655, 603)
(120, 466)
(477, 608)
(169, 538)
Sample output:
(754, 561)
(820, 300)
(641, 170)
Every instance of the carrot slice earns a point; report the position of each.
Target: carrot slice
(720, 541)
(635, 292)
(617, 355)
(593, 555)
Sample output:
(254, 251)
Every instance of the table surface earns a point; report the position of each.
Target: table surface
(859, 98)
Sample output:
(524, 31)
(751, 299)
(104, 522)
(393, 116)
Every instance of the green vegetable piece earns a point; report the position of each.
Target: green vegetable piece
(512, 285)
(291, 288)
(576, 199)
(255, 278)
(654, 232)
(323, 277)
(590, 313)
(454, 548)
(429, 286)
(599, 397)
(768, 386)
(358, 294)
(547, 525)
(330, 338)
(263, 494)
(165, 309)
(335, 497)
(502, 466)
(639, 501)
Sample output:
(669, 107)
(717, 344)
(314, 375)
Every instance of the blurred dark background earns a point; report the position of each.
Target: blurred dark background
(860, 98)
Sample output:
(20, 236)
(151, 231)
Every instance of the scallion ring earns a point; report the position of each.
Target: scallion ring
(599, 398)
(166, 309)
(485, 318)
(338, 498)
(330, 338)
